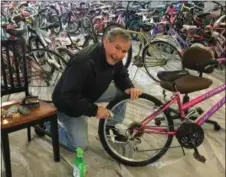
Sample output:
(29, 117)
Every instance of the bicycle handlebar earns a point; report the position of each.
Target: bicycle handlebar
(210, 63)
(221, 60)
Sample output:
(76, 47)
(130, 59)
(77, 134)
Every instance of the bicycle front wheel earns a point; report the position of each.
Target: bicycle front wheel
(161, 56)
(143, 148)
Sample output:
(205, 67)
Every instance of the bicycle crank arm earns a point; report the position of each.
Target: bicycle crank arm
(199, 157)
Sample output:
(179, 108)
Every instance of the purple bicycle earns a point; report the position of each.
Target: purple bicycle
(141, 131)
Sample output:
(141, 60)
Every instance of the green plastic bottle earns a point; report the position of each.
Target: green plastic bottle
(79, 168)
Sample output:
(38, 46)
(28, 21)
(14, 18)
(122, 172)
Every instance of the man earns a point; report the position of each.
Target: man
(87, 79)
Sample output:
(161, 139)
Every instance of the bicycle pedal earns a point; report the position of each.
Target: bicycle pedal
(199, 157)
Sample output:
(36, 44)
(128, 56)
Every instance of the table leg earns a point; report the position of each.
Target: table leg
(55, 139)
(29, 133)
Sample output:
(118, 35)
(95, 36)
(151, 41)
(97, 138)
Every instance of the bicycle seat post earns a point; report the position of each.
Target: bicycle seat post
(185, 100)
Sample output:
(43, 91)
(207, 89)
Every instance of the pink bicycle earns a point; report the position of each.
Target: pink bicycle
(141, 131)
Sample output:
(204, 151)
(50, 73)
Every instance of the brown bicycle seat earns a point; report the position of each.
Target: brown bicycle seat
(187, 84)
(171, 76)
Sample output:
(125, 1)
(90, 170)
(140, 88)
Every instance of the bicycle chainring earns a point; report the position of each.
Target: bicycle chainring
(190, 135)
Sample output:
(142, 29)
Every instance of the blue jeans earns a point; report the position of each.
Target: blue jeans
(73, 132)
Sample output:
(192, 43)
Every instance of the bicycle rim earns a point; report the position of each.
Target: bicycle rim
(145, 148)
(161, 56)
(43, 75)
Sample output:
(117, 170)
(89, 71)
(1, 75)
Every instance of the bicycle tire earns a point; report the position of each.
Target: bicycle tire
(87, 26)
(56, 19)
(89, 40)
(124, 160)
(51, 18)
(42, 81)
(59, 59)
(37, 41)
(130, 51)
(67, 23)
(65, 53)
(145, 50)
(65, 50)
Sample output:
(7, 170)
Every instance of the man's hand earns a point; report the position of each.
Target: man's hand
(102, 113)
(133, 92)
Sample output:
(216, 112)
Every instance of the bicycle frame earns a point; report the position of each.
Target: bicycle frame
(182, 107)
(143, 37)
(120, 20)
(183, 43)
(144, 40)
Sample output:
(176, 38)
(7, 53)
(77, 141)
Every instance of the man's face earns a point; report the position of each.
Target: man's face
(116, 50)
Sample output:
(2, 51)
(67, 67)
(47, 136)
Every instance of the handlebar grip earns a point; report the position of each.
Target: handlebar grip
(206, 65)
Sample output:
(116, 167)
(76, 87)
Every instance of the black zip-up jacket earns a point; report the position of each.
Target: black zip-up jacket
(86, 77)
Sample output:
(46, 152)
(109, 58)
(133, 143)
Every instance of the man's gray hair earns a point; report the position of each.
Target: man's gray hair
(118, 32)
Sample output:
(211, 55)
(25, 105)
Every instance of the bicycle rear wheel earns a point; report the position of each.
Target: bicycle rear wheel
(87, 26)
(144, 148)
(161, 56)
(70, 23)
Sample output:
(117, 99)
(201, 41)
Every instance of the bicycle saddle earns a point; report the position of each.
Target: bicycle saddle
(186, 84)
(171, 76)
(18, 18)
(16, 32)
(202, 15)
(120, 10)
(50, 25)
(143, 10)
(223, 25)
(197, 58)
(147, 26)
(190, 27)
